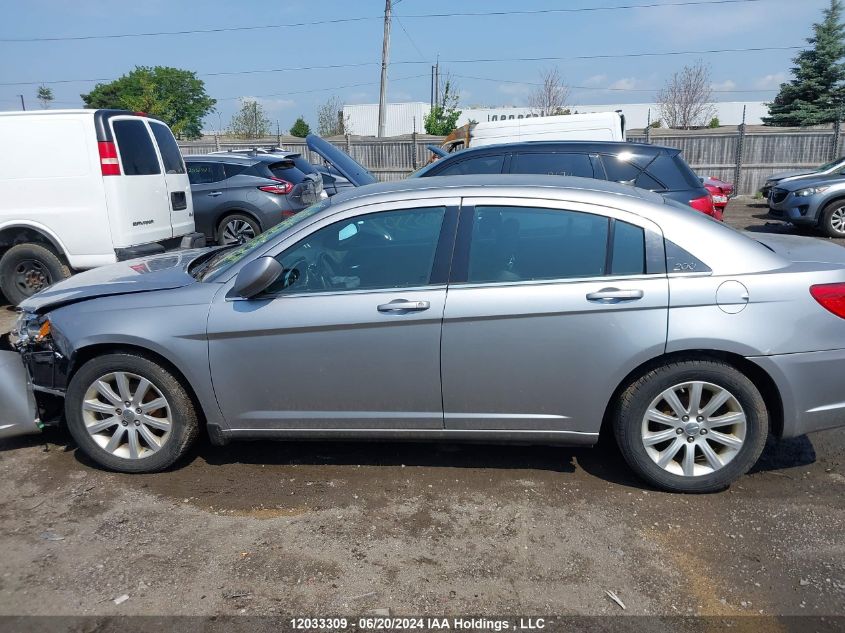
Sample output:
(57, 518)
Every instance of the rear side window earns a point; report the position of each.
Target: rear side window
(137, 152)
(628, 249)
(170, 154)
(620, 170)
(204, 173)
(233, 169)
(478, 165)
(518, 244)
(555, 164)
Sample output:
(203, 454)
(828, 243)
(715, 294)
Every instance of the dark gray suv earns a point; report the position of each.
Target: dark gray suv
(653, 167)
(237, 196)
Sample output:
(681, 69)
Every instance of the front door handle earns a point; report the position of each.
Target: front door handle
(614, 295)
(400, 305)
(214, 194)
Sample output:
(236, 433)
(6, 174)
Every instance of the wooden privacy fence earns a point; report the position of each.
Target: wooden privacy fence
(744, 155)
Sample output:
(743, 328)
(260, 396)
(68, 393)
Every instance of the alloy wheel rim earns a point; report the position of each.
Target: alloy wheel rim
(127, 415)
(31, 276)
(694, 428)
(837, 220)
(237, 232)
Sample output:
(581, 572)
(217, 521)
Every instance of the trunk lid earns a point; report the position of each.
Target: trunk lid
(802, 249)
(351, 169)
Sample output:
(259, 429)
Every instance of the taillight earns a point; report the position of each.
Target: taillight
(703, 204)
(831, 297)
(281, 188)
(109, 164)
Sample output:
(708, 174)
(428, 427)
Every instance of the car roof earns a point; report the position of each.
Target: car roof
(246, 159)
(580, 146)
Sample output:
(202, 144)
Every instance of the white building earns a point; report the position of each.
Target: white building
(405, 118)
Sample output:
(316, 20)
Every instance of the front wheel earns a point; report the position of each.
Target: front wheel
(130, 414)
(833, 219)
(691, 426)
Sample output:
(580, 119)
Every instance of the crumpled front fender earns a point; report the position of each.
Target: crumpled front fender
(18, 411)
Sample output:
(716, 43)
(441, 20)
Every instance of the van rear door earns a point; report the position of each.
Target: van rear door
(176, 179)
(138, 200)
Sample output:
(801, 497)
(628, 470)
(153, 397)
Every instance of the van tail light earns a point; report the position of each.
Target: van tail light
(831, 297)
(109, 164)
(703, 204)
(281, 188)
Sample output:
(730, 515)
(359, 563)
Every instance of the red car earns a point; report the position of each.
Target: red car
(720, 191)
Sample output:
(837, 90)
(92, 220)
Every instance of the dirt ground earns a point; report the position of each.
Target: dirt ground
(356, 528)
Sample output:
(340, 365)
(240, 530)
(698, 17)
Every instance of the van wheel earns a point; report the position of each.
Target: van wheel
(833, 219)
(236, 229)
(28, 268)
(691, 426)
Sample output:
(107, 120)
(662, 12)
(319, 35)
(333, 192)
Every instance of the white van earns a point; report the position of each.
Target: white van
(598, 126)
(84, 188)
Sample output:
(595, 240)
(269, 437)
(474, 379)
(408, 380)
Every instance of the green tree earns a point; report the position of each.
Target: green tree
(714, 122)
(330, 119)
(816, 93)
(250, 121)
(174, 95)
(44, 96)
(300, 128)
(444, 115)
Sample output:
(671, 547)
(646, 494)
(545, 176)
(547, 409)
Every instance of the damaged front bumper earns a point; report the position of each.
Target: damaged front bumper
(18, 409)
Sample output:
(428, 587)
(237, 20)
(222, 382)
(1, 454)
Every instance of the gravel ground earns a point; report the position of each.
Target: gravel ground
(321, 528)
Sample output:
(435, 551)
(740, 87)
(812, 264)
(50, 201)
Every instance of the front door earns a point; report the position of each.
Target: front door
(549, 309)
(349, 337)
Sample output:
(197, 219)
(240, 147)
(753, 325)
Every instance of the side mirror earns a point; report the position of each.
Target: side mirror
(256, 277)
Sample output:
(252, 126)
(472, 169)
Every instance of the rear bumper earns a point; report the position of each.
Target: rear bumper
(18, 410)
(810, 385)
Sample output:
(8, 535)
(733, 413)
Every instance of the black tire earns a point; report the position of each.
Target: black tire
(832, 221)
(251, 222)
(636, 399)
(183, 415)
(27, 268)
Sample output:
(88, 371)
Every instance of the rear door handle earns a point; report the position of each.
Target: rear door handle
(400, 305)
(614, 295)
(214, 194)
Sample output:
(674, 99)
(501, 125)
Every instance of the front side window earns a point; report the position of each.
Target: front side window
(391, 249)
(554, 164)
(137, 152)
(170, 154)
(478, 165)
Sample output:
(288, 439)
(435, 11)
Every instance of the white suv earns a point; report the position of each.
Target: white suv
(84, 188)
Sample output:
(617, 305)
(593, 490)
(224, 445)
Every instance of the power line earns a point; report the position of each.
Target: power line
(256, 27)
(448, 61)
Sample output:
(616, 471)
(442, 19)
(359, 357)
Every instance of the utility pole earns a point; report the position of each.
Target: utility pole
(385, 53)
(23, 105)
(437, 81)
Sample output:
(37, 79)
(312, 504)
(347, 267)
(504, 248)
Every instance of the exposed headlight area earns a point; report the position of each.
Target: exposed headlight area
(30, 329)
(811, 191)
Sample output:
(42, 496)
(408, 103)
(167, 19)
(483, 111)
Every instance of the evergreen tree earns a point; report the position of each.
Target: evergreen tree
(817, 93)
(300, 128)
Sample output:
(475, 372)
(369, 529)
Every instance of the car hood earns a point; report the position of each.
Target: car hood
(809, 180)
(797, 248)
(158, 272)
(352, 170)
(790, 174)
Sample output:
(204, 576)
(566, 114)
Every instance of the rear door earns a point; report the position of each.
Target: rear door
(550, 305)
(138, 200)
(176, 180)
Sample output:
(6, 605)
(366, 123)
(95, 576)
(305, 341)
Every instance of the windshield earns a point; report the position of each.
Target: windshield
(225, 258)
(831, 164)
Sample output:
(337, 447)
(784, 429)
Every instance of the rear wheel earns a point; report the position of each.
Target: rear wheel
(692, 426)
(28, 268)
(237, 229)
(833, 219)
(130, 414)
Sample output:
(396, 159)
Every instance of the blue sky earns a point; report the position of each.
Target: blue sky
(415, 41)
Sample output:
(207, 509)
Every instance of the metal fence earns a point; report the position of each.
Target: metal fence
(744, 155)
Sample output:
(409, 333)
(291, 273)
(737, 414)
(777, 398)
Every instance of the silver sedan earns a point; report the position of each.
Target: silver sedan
(530, 308)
